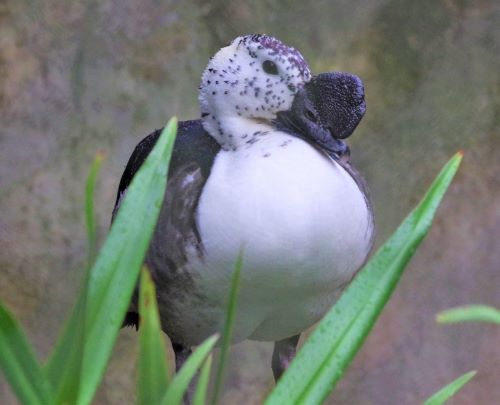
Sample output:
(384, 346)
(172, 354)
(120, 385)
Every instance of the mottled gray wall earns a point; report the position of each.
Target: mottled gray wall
(78, 77)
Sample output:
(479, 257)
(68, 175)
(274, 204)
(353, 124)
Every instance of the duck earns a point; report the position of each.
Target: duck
(265, 173)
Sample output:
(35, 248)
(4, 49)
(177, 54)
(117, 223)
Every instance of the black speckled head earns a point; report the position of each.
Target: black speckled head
(254, 77)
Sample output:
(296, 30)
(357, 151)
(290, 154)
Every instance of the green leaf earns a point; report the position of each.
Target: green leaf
(228, 326)
(114, 274)
(180, 382)
(469, 313)
(64, 367)
(333, 344)
(89, 207)
(153, 376)
(449, 390)
(200, 394)
(19, 363)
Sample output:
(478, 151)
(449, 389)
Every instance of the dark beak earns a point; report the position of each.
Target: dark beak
(339, 99)
(325, 111)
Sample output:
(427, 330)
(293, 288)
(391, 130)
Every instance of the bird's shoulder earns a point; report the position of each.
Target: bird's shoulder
(193, 148)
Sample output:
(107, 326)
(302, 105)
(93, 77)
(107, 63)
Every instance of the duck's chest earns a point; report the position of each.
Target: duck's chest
(299, 218)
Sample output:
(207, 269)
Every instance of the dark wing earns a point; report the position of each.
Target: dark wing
(192, 145)
(192, 158)
(134, 163)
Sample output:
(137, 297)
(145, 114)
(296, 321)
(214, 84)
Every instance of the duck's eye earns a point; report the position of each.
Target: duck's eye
(310, 116)
(270, 67)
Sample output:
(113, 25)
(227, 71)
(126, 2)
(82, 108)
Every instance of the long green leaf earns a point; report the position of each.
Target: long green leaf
(200, 394)
(469, 313)
(153, 376)
(228, 327)
(331, 347)
(19, 363)
(115, 271)
(64, 367)
(180, 382)
(89, 207)
(445, 393)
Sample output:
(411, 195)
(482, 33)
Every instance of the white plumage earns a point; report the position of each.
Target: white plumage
(304, 228)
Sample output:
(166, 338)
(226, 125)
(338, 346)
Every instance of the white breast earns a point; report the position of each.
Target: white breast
(303, 225)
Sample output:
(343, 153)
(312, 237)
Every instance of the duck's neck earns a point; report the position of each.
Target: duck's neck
(235, 132)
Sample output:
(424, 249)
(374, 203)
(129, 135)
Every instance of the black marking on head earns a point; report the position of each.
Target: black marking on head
(339, 100)
(279, 49)
(325, 111)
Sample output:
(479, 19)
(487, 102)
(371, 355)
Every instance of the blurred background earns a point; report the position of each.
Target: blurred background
(77, 77)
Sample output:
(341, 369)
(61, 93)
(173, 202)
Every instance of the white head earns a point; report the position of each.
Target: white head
(250, 80)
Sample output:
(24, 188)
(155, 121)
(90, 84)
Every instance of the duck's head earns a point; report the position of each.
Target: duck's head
(250, 80)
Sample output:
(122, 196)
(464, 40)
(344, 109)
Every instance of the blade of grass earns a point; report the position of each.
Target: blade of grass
(19, 363)
(64, 368)
(331, 347)
(469, 313)
(153, 376)
(180, 382)
(89, 207)
(228, 327)
(115, 271)
(200, 393)
(445, 393)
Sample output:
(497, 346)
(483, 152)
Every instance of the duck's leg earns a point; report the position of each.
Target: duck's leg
(182, 353)
(283, 354)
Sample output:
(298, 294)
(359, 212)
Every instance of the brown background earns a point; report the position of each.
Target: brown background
(78, 77)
